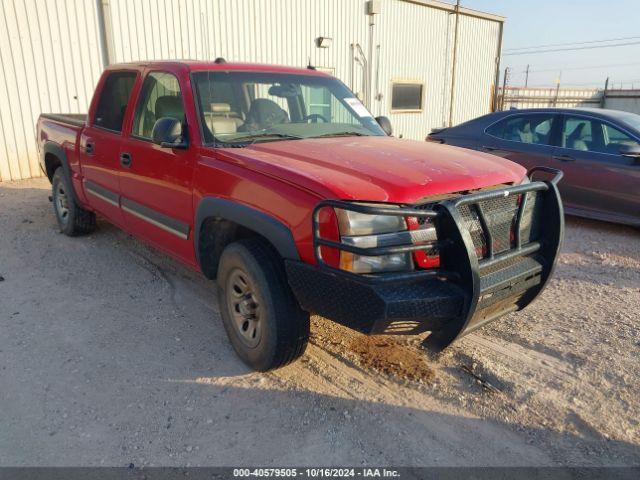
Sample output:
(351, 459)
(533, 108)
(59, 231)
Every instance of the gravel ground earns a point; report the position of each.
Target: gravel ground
(111, 354)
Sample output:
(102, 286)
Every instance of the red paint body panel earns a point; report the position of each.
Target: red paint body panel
(284, 179)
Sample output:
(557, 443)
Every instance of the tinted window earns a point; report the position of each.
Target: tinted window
(591, 135)
(534, 129)
(113, 100)
(406, 96)
(160, 97)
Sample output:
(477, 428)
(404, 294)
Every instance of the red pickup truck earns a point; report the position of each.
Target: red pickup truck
(280, 185)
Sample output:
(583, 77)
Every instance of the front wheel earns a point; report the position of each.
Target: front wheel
(261, 316)
(72, 219)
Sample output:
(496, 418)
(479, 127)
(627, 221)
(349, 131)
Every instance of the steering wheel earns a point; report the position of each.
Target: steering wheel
(314, 117)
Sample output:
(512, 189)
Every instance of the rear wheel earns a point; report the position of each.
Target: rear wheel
(72, 219)
(261, 316)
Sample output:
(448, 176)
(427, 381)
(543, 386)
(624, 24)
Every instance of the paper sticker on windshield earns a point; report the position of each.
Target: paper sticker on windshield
(357, 107)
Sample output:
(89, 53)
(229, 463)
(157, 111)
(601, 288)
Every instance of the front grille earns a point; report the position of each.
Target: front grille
(501, 216)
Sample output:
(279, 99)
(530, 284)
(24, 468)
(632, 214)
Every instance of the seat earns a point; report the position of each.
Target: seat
(169, 106)
(220, 125)
(574, 139)
(526, 135)
(265, 113)
(224, 110)
(221, 120)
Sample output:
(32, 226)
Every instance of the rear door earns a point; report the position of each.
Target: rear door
(597, 178)
(156, 182)
(100, 144)
(526, 138)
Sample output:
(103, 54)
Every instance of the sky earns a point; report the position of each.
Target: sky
(543, 22)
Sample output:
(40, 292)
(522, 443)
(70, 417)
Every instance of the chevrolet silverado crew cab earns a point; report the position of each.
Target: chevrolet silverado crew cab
(280, 185)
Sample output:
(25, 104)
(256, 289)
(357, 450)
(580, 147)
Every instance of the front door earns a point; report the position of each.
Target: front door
(100, 145)
(525, 138)
(598, 180)
(156, 182)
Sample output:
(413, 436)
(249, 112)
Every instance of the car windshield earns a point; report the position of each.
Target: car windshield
(248, 107)
(631, 119)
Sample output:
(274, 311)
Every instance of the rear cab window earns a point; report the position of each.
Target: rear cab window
(114, 99)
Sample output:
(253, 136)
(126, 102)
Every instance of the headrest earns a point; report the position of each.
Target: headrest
(220, 107)
(169, 106)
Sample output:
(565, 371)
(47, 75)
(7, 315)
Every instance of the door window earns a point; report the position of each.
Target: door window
(113, 100)
(591, 135)
(160, 98)
(535, 129)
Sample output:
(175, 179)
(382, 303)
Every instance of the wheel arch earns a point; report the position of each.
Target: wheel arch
(220, 221)
(54, 156)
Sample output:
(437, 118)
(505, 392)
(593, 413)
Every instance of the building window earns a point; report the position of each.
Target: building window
(407, 96)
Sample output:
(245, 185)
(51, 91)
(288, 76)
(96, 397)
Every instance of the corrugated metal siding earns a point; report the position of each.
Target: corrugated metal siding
(50, 63)
(476, 64)
(267, 31)
(51, 57)
(415, 44)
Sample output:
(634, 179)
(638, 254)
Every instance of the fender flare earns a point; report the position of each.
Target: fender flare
(272, 229)
(58, 151)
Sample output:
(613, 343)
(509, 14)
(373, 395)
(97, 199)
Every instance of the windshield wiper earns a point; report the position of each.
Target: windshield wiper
(251, 139)
(341, 134)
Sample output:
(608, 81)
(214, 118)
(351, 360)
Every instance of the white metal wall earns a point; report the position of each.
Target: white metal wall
(265, 31)
(51, 58)
(50, 63)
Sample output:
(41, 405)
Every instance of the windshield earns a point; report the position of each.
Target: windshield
(238, 107)
(631, 119)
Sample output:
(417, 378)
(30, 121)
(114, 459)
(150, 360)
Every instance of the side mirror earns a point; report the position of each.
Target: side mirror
(385, 124)
(168, 133)
(631, 151)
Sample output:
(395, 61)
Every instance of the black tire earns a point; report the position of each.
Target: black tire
(282, 325)
(72, 219)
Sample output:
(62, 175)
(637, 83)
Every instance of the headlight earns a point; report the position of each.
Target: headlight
(367, 231)
(354, 223)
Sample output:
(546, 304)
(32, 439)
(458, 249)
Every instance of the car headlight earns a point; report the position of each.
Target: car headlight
(368, 231)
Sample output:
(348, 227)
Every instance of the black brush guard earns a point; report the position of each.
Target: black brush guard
(497, 248)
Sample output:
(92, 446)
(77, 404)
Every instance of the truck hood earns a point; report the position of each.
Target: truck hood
(377, 168)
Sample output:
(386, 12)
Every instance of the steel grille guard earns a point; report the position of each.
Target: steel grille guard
(459, 260)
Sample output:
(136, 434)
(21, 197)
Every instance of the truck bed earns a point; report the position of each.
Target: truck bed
(76, 119)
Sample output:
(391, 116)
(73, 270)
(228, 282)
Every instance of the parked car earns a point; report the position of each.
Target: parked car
(280, 185)
(598, 150)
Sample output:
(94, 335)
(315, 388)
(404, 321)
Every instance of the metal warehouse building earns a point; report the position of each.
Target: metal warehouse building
(422, 63)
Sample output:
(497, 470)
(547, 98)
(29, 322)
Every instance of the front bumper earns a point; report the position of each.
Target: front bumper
(480, 278)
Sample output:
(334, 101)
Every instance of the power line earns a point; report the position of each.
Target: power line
(586, 67)
(571, 43)
(573, 48)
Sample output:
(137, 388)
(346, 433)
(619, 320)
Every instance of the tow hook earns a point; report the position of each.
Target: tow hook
(51, 198)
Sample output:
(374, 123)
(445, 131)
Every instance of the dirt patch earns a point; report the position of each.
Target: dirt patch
(390, 358)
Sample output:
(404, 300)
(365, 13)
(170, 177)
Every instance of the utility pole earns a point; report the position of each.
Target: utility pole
(603, 99)
(555, 100)
(526, 77)
(453, 67)
(504, 86)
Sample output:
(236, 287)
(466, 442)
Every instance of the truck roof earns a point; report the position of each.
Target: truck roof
(200, 65)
